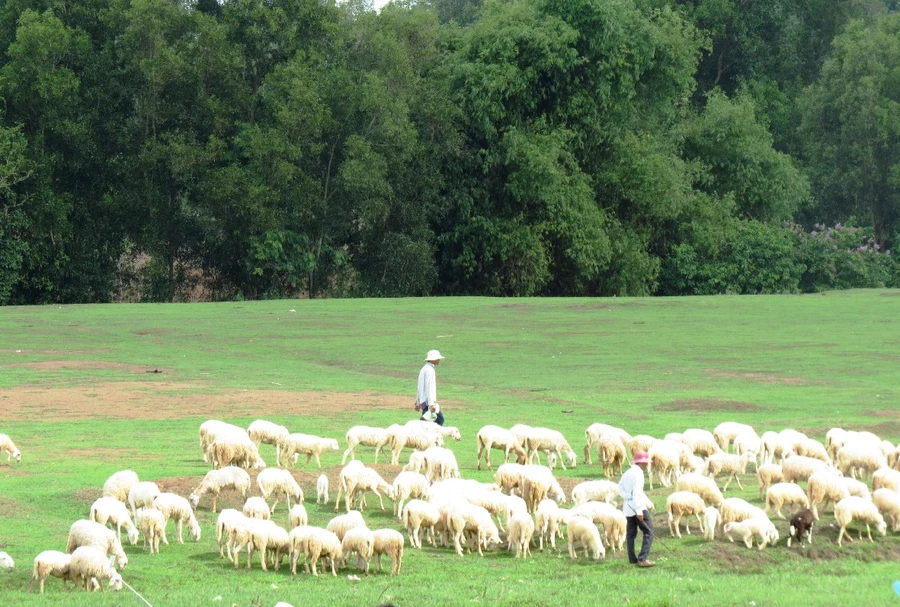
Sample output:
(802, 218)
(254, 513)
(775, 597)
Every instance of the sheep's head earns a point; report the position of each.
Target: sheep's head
(333, 444)
(572, 458)
(115, 581)
(881, 527)
(6, 562)
(133, 536)
(195, 529)
(122, 559)
(453, 432)
(17, 455)
(194, 499)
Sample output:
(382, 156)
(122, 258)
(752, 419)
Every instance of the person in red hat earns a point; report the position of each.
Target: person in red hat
(631, 488)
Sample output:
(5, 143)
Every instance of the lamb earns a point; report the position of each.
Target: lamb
(855, 508)
(759, 526)
(601, 491)
(178, 509)
(234, 449)
(51, 563)
(547, 518)
(440, 464)
(119, 484)
(298, 516)
(798, 468)
(888, 503)
(413, 437)
(734, 510)
(801, 523)
(886, 478)
(363, 480)
(859, 458)
(766, 475)
(684, 503)
(141, 495)
(256, 507)
(90, 565)
(110, 510)
(521, 530)
(549, 441)
(409, 485)
(583, 532)
(359, 540)
(277, 481)
(370, 436)
(416, 515)
(314, 543)
(726, 432)
(712, 518)
(495, 437)
(89, 533)
(9, 447)
(732, 465)
(322, 489)
(703, 486)
(342, 523)
(152, 525)
(780, 494)
(595, 431)
(823, 487)
(700, 442)
(389, 542)
(611, 455)
(229, 477)
(262, 431)
(305, 444)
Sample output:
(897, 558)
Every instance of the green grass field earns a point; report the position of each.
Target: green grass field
(81, 396)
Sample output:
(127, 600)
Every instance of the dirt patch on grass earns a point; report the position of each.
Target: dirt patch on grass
(757, 376)
(888, 413)
(707, 404)
(86, 365)
(87, 495)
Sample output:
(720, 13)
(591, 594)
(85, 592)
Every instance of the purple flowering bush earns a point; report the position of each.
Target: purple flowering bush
(844, 257)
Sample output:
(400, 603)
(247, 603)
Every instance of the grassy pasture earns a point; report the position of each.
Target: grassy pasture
(88, 390)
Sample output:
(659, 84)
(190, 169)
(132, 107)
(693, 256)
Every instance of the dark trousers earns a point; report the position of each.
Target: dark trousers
(631, 528)
(439, 420)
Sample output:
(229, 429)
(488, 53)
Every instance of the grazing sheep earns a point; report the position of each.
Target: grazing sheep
(264, 536)
(445, 431)
(296, 444)
(775, 447)
(700, 442)
(297, 516)
(521, 530)
(141, 495)
(759, 526)
(857, 458)
(359, 540)
(509, 477)
(801, 523)
(823, 487)
(276, 481)
(703, 486)
(601, 491)
(886, 478)
(320, 543)
(612, 519)
(726, 432)
(342, 523)
(495, 437)
(257, 507)
(547, 519)
(322, 489)
(119, 484)
(856, 487)
(7, 446)
(584, 533)
(680, 504)
(51, 563)
(414, 437)
(780, 494)
(262, 431)
(888, 503)
(229, 520)
(362, 480)
(369, 436)
(409, 485)
(211, 429)
(440, 464)
(726, 463)
(798, 468)
(389, 542)
(234, 449)
(416, 462)
(735, 510)
(461, 517)
(595, 431)
(855, 508)
(665, 461)
(418, 514)
(549, 441)
(538, 483)
(749, 444)
(812, 448)
(640, 442)
(89, 533)
(712, 518)
(178, 509)
(110, 510)
(766, 475)
(6, 562)
(152, 525)
(229, 477)
(611, 455)
(90, 566)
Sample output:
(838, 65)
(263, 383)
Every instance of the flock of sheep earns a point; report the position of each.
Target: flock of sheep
(522, 508)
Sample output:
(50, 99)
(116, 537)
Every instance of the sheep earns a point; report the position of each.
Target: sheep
(583, 532)
(389, 542)
(370, 436)
(211, 429)
(178, 509)
(256, 507)
(414, 437)
(152, 525)
(796, 468)
(6, 562)
(264, 536)
(595, 431)
(322, 489)
(234, 449)
(549, 441)
(726, 432)
(712, 518)
(460, 516)
(495, 437)
(359, 540)
(703, 486)
(445, 431)
(801, 523)
(673, 436)
(51, 563)
(497, 503)
(416, 515)
(538, 482)
(314, 543)
(793, 438)
(759, 526)
(665, 461)
(856, 487)
(416, 462)
(7, 446)
(893, 458)
(766, 475)
(298, 516)
(749, 444)
(521, 530)
(90, 565)
(823, 487)
(547, 518)
(229, 477)
(342, 523)
(611, 455)
(855, 508)
(601, 491)
(509, 476)
(360, 481)
(700, 442)
(440, 464)
(775, 447)
(119, 484)
(89, 533)
(780, 494)
(612, 519)
(277, 481)
(812, 448)
(305, 444)
(409, 485)
(226, 524)
(639, 442)
(888, 503)
(886, 478)
(262, 431)
(732, 465)
(110, 510)
(834, 440)
(141, 495)
(684, 503)
(735, 509)
(859, 458)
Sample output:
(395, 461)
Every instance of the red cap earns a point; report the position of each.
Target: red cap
(641, 457)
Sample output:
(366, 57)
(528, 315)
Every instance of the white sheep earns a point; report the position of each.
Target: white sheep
(584, 533)
(735, 509)
(342, 523)
(110, 510)
(359, 540)
(888, 503)
(520, 532)
(416, 462)
(834, 440)
(369, 436)
(51, 563)
(314, 543)
(759, 526)
(440, 464)
(749, 444)
(264, 536)
(700, 442)
(726, 432)
(775, 447)
(495, 437)
(665, 461)
(858, 458)
(460, 516)
(212, 429)
(89, 533)
(793, 438)
(612, 519)
(611, 455)
(298, 516)
(509, 476)
(359, 482)
(703, 486)
(547, 519)
(445, 431)
(727, 463)
(322, 489)
(277, 481)
(823, 487)
(229, 477)
(390, 543)
(90, 566)
(886, 478)
(297, 444)
(684, 503)
(226, 524)
(796, 468)
(6, 562)
(595, 431)
(418, 514)
(549, 441)
(409, 485)
(856, 487)
(812, 448)
(152, 525)
(766, 475)
(7, 446)
(119, 484)
(781, 494)
(414, 437)
(640, 442)
(142, 494)
(538, 483)
(256, 507)
(712, 518)
(234, 449)
(179, 510)
(262, 431)
(855, 508)
(601, 491)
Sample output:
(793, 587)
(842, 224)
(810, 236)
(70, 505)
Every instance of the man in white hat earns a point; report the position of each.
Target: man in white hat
(426, 391)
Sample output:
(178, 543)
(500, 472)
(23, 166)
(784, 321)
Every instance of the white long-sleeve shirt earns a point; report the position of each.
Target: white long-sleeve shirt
(631, 489)
(426, 391)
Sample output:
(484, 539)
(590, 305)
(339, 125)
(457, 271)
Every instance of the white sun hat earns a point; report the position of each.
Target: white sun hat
(433, 355)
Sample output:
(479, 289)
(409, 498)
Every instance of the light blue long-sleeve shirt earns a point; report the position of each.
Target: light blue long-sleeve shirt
(631, 489)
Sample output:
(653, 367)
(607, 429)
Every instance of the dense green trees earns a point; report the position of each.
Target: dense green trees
(161, 150)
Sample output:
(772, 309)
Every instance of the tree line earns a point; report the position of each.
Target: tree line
(160, 150)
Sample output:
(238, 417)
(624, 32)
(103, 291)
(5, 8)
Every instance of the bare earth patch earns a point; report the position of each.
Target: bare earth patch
(706, 404)
(85, 365)
(757, 376)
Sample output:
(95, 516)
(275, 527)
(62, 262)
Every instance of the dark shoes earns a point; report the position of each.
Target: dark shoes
(645, 563)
